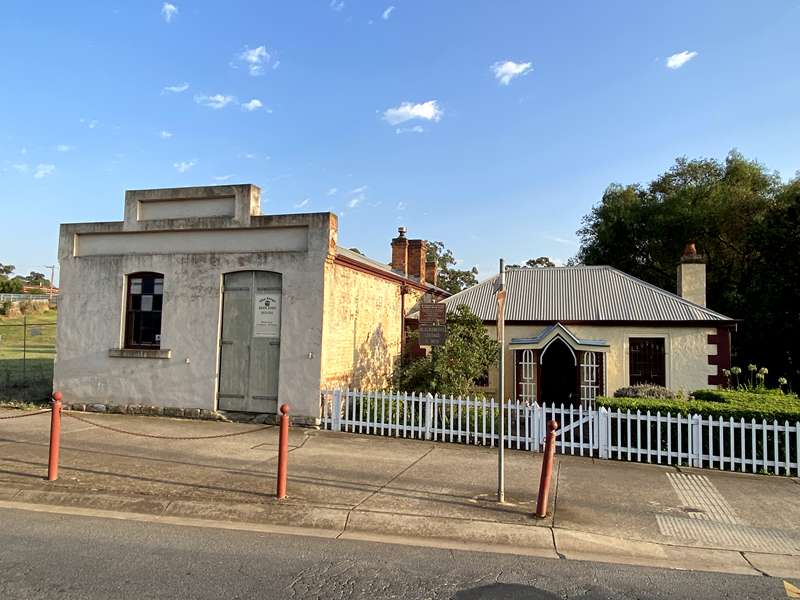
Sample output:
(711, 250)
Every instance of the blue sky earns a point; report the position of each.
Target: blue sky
(493, 126)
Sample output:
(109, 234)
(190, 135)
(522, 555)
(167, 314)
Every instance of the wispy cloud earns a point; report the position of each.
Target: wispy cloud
(43, 170)
(254, 104)
(676, 61)
(223, 177)
(64, 148)
(336, 5)
(184, 165)
(387, 13)
(414, 129)
(91, 123)
(401, 206)
(357, 196)
(164, 134)
(175, 89)
(561, 240)
(216, 101)
(168, 11)
(429, 111)
(332, 191)
(505, 71)
(255, 59)
(302, 203)
(20, 167)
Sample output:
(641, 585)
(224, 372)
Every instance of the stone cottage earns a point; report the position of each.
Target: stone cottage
(573, 333)
(198, 301)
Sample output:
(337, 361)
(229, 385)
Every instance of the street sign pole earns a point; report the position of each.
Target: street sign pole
(501, 334)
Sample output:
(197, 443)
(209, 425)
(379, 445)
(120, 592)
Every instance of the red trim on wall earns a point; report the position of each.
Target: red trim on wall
(357, 266)
(722, 359)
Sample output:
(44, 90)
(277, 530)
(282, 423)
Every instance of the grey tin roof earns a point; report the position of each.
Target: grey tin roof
(582, 293)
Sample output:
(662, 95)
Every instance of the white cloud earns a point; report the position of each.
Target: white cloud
(302, 204)
(64, 148)
(254, 104)
(337, 5)
(355, 201)
(357, 196)
(184, 165)
(562, 240)
(91, 123)
(21, 167)
(401, 205)
(222, 177)
(505, 71)
(164, 134)
(428, 111)
(359, 190)
(276, 64)
(255, 59)
(414, 129)
(216, 101)
(387, 13)
(43, 170)
(676, 61)
(168, 11)
(175, 89)
(332, 191)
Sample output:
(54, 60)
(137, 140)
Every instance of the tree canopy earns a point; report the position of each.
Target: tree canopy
(742, 217)
(451, 279)
(455, 366)
(535, 263)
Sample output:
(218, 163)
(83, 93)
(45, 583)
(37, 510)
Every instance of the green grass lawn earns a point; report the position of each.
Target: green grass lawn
(27, 350)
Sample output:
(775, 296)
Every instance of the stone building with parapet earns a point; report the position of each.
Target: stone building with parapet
(198, 302)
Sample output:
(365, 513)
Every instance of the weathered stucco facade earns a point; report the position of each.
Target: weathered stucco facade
(334, 321)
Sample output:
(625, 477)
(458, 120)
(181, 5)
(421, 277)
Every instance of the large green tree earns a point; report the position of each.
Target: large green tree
(450, 278)
(454, 367)
(742, 217)
(7, 284)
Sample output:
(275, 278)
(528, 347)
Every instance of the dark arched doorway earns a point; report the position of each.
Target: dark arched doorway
(559, 374)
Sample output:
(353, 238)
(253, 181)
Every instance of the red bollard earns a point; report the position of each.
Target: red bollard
(283, 451)
(55, 437)
(547, 470)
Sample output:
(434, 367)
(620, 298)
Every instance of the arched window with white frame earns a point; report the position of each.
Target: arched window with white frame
(527, 384)
(589, 381)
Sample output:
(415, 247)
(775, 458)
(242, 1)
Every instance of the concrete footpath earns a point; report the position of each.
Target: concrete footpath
(414, 492)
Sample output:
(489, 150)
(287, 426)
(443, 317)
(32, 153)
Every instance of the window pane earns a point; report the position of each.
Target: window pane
(158, 286)
(647, 361)
(147, 303)
(136, 286)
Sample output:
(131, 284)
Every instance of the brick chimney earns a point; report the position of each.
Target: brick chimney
(432, 272)
(400, 252)
(692, 276)
(417, 249)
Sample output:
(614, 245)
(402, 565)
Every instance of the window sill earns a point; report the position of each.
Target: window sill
(139, 353)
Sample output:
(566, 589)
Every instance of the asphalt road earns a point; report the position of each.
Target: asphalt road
(46, 555)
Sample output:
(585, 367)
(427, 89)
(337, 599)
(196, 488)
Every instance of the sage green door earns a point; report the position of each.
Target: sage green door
(250, 344)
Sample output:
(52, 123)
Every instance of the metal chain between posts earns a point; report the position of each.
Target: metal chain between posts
(72, 414)
(38, 412)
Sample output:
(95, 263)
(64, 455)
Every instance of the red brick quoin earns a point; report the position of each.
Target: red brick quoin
(722, 359)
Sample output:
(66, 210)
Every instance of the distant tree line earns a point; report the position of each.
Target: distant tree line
(13, 284)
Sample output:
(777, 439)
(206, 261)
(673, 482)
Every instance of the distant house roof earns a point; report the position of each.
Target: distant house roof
(378, 266)
(580, 294)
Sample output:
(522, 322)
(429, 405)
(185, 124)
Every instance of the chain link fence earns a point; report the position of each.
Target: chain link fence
(27, 351)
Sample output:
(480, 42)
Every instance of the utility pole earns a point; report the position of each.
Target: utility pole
(52, 280)
(501, 335)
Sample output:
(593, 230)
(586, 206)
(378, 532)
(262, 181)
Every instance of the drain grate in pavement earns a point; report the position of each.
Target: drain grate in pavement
(740, 537)
(700, 499)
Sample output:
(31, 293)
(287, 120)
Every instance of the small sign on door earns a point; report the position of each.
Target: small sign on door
(267, 318)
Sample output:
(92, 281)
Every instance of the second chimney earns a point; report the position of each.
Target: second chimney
(692, 276)
(417, 251)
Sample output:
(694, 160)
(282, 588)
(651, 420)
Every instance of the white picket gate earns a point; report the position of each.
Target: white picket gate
(641, 437)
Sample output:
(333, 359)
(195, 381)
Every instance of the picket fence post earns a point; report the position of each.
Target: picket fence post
(336, 417)
(536, 417)
(603, 449)
(697, 441)
(428, 415)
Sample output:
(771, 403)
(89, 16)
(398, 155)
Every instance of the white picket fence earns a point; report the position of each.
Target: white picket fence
(706, 442)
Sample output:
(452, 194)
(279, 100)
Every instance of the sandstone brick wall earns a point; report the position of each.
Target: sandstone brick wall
(362, 328)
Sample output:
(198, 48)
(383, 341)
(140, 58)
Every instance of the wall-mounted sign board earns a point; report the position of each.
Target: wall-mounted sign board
(267, 317)
(432, 313)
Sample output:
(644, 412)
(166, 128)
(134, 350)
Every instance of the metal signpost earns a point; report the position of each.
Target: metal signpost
(432, 324)
(501, 334)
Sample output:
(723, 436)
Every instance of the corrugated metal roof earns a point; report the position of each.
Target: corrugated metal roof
(596, 293)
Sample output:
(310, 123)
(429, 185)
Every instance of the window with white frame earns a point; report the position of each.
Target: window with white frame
(527, 382)
(589, 385)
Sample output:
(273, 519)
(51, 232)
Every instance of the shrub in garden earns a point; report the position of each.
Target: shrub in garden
(645, 390)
